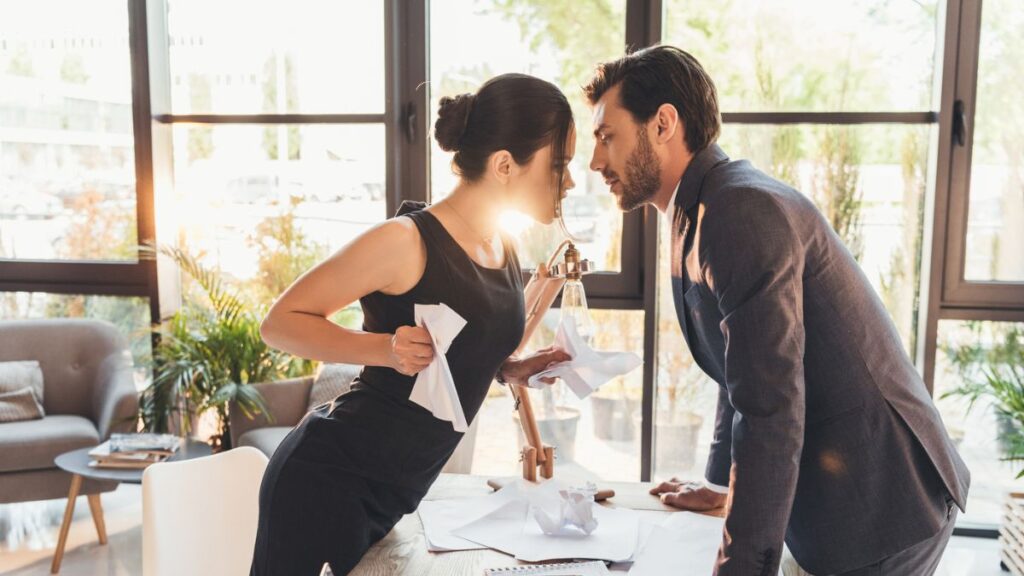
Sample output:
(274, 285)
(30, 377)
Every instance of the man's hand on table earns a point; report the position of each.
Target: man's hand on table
(693, 496)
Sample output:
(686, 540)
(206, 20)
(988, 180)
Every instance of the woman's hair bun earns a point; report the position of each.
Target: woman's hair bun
(452, 117)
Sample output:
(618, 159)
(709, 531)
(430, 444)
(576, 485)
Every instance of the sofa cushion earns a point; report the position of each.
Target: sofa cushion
(74, 354)
(19, 405)
(33, 444)
(20, 374)
(331, 381)
(266, 439)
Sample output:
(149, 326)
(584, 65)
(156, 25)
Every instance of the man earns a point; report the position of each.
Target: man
(825, 437)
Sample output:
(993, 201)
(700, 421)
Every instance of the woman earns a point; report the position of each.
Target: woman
(352, 468)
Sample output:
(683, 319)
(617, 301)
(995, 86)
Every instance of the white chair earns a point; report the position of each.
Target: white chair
(199, 516)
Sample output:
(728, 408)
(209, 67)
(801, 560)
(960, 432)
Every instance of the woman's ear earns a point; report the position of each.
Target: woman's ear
(502, 166)
(666, 123)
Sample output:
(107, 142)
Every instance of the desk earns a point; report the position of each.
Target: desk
(404, 549)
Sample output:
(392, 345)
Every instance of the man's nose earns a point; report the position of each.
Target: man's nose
(597, 160)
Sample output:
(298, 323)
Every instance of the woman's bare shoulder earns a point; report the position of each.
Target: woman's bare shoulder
(397, 232)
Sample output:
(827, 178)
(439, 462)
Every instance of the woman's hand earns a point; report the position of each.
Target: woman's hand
(410, 350)
(519, 370)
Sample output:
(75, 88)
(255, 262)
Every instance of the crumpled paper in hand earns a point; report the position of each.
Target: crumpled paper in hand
(588, 369)
(434, 388)
(575, 513)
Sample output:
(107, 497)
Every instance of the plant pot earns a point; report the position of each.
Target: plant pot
(675, 441)
(613, 417)
(559, 431)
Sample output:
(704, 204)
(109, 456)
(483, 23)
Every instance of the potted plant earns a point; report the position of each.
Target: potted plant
(991, 369)
(993, 372)
(208, 354)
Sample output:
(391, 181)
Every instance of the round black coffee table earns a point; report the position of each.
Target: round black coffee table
(76, 462)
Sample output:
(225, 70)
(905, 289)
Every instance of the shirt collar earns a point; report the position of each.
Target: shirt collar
(672, 202)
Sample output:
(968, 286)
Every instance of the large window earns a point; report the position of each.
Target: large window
(995, 224)
(985, 262)
(977, 314)
(279, 140)
(67, 165)
(247, 206)
(802, 55)
(250, 57)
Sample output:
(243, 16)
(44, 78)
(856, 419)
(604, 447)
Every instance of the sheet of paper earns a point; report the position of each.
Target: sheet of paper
(513, 529)
(434, 388)
(685, 544)
(588, 369)
(500, 529)
(440, 517)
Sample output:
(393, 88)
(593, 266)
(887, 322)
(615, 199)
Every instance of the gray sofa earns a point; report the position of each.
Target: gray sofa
(288, 401)
(89, 392)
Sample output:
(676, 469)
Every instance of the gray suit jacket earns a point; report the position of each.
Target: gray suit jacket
(825, 432)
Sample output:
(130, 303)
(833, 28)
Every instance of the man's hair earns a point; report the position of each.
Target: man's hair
(663, 75)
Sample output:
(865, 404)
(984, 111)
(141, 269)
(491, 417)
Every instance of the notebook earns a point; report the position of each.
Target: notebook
(594, 568)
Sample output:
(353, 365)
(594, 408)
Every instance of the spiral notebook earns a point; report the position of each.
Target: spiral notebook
(595, 568)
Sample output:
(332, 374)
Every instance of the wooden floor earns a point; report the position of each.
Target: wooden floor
(28, 535)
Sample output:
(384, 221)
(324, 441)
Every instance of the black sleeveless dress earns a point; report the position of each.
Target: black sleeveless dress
(353, 467)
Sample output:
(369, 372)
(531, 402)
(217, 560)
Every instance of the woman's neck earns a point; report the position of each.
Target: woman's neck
(478, 206)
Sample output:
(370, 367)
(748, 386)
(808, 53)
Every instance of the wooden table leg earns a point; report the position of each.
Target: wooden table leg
(69, 511)
(96, 507)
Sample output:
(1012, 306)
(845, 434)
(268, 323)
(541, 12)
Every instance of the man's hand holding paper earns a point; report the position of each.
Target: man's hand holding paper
(519, 370)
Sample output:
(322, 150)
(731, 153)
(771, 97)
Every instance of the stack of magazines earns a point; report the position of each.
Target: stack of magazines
(134, 450)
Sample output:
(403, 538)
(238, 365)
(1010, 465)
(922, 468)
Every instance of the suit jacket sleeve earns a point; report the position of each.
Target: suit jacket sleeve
(752, 261)
(720, 456)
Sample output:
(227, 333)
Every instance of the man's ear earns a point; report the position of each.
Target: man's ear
(666, 123)
(502, 165)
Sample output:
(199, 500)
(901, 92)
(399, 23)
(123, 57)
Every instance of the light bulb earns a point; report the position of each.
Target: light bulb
(574, 305)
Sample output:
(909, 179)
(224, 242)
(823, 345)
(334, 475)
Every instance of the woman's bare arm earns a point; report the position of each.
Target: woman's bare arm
(389, 258)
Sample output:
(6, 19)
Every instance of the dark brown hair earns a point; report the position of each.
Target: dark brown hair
(663, 75)
(513, 112)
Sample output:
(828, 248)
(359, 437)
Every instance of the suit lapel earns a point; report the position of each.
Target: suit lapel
(687, 196)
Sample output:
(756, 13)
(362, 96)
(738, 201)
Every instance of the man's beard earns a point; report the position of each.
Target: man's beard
(643, 175)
